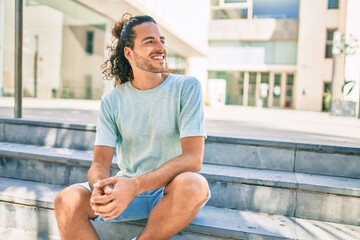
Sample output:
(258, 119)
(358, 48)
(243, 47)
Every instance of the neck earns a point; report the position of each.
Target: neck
(148, 80)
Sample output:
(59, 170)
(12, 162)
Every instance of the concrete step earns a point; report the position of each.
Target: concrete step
(51, 134)
(306, 157)
(317, 197)
(314, 158)
(17, 234)
(28, 206)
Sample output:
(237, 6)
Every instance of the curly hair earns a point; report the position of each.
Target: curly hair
(117, 66)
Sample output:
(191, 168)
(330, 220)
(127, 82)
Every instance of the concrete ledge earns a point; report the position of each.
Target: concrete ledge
(58, 135)
(329, 207)
(232, 187)
(215, 173)
(2, 130)
(260, 157)
(280, 179)
(332, 164)
(17, 234)
(28, 193)
(297, 145)
(45, 164)
(35, 200)
(21, 121)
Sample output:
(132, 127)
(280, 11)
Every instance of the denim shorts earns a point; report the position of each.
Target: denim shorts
(139, 208)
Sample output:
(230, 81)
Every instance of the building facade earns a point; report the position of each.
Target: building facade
(278, 54)
(64, 45)
(256, 53)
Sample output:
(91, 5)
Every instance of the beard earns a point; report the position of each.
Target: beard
(147, 65)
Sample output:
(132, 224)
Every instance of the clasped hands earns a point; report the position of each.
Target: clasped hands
(111, 196)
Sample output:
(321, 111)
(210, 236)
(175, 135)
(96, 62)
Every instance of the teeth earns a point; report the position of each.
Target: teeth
(158, 57)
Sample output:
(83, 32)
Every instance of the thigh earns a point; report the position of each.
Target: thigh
(76, 198)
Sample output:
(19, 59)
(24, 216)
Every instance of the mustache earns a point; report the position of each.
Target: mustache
(157, 52)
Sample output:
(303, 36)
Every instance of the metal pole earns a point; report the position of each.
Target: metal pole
(18, 57)
(333, 84)
(359, 100)
(2, 4)
(36, 64)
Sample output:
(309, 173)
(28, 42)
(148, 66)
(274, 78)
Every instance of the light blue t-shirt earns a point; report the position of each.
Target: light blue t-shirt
(146, 126)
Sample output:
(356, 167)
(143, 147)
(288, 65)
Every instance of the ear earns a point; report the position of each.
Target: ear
(128, 53)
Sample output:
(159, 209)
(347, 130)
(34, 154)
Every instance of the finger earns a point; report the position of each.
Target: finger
(101, 200)
(104, 210)
(117, 209)
(105, 182)
(108, 189)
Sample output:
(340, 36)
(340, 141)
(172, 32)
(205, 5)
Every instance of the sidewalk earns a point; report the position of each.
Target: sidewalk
(229, 121)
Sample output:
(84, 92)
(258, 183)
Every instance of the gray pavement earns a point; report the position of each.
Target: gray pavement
(228, 121)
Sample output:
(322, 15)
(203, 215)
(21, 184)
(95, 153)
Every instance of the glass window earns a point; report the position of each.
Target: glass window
(234, 88)
(241, 88)
(277, 90)
(233, 13)
(329, 43)
(235, 1)
(277, 9)
(89, 42)
(176, 63)
(260, 52)
(252, 89)
(63, 47)
(333, 4)
(214, 2)
(289, 90)
(264, 89)
(326, 97)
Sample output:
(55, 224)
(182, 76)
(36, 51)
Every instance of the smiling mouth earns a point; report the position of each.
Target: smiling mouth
(158, 57)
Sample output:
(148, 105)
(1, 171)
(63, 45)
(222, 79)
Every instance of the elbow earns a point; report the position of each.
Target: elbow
(196, 164)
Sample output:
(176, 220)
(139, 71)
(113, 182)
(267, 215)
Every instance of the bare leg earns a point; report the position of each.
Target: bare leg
(73, 211)
(182, 200)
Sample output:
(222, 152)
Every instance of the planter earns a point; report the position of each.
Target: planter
(344, 108)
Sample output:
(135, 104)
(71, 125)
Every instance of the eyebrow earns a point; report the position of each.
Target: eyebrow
(150, 37)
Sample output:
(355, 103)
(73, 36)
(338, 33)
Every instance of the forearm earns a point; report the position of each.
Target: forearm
(163, 175)
(100, 167)
(97, 172)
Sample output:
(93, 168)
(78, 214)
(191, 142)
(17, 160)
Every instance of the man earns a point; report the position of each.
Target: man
(154, 120)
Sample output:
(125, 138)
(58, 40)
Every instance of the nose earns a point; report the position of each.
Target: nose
(160, 46)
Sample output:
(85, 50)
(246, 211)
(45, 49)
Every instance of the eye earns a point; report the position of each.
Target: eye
(149, 42)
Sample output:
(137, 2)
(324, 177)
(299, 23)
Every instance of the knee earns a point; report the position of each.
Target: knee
(67, 202)
(62, 201)
(192, 187)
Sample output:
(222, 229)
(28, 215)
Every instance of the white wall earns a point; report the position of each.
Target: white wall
(352, 68)
(189, 19)
(9, 46)
(313, 18)
(1, 46)
(76, 63)
(47, 23)
(252, 54)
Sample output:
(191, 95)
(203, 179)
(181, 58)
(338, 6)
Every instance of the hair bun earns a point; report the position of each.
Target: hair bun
(119, 25)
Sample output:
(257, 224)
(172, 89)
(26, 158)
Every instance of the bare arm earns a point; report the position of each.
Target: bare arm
(100, 167)
(126, 189)
(189, 161)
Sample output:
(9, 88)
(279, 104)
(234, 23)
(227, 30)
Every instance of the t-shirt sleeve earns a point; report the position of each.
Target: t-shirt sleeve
(191, 120)
(106, 129)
